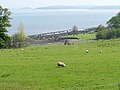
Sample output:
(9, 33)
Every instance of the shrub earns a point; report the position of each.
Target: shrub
(19, 39)
(108, 34)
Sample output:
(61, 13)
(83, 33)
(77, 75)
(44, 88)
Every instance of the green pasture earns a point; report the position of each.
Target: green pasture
(35, 68)
(86, 36)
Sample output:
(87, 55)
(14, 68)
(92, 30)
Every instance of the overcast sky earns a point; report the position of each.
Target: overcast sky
(39, 3)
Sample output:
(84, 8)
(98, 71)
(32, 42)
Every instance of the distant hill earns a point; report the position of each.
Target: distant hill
(107, 7)
(66, 7)
(81, 7)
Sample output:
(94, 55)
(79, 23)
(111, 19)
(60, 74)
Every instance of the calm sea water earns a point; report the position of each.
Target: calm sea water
(40, 21)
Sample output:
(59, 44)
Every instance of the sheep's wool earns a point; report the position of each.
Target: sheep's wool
(87, 51)
(61, 64)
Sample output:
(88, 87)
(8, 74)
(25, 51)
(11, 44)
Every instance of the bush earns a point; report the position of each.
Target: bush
(19, 39)
(108, 34)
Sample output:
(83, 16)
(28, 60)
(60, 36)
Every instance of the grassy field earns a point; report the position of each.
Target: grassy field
(34, 68)
(86, 36)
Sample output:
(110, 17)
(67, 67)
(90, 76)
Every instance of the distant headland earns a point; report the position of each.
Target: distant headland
(81, 7)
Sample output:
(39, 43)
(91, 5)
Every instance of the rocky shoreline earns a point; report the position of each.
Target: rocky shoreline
(57, 37)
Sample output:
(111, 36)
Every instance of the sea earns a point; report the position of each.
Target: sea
(37, 21)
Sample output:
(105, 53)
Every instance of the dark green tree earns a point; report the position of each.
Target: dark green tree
(4, 24)
(114, 22)
(102, 34)
(75, 30)
(100, 28)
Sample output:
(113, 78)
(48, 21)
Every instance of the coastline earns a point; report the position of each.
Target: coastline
(58, 37)
(41, 21)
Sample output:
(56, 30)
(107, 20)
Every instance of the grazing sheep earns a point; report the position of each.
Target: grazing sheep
(100, 51)
(22, 49)
(61, 64)
(87, 51)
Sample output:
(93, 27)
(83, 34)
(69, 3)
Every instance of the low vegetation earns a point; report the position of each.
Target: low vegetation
(108, 33)
(86, 36)
(19, 38)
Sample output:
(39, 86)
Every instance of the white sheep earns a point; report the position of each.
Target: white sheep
(22, 49)
(100, 51)
(87, 51)
(61, 64)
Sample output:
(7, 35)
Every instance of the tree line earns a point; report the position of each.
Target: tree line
(111, 31)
